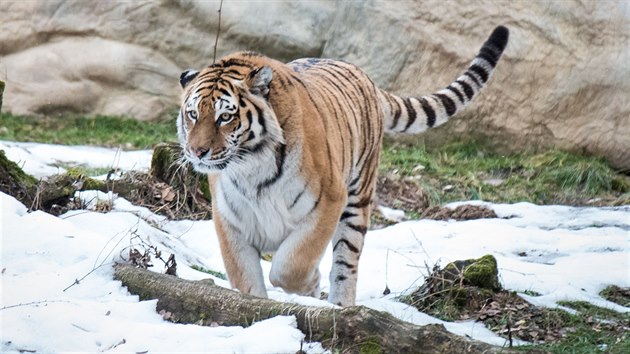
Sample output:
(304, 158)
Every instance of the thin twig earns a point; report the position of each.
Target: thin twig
(386, 291)
(121, 342)
(79, 327)
(78, 281)
(32, 304)
(420, 244)
(120, 236)
(216, 41)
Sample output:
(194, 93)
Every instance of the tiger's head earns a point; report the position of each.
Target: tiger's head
(226, 115)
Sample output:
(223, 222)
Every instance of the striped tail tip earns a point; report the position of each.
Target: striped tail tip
(493, 48)
(499, 37)
(417, 114)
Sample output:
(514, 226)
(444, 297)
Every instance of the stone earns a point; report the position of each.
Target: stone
(457, 288)
(125, 57)
(563, 81)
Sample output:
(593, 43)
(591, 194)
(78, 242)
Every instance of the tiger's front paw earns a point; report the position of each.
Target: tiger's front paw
(296, 282)
(342, 295)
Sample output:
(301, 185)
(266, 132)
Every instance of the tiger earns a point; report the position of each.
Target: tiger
(291, 153)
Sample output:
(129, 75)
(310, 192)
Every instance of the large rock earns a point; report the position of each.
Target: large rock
(125, 57)
(564, 80)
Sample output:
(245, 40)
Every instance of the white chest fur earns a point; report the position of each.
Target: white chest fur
(264, 217)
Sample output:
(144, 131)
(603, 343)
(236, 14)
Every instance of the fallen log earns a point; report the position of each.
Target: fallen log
(349, 329)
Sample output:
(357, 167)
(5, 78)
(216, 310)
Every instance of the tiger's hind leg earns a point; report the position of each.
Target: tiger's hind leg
(347, 245)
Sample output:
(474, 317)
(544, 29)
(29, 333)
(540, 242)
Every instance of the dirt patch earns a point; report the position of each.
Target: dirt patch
(510, 316)
(503, 312)
(55, 195)
(401, 193)
(405, 193)
(452, 291)
(462, 212)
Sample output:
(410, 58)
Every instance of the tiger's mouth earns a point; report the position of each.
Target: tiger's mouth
(210, 166)
(209, 163)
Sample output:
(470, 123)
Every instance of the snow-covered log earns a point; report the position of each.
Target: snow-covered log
(349, 329)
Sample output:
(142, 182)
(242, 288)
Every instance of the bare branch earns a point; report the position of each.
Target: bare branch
(216, 41)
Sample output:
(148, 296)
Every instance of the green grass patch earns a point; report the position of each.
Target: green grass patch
(616, 294)
(532, 293)
(458, 171)
(214, 273)
(592, 329)
(84, 170)
(591, 310)
(80, 130)
(469, 170)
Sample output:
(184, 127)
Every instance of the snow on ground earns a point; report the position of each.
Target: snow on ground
(563, 253)
(42, 160)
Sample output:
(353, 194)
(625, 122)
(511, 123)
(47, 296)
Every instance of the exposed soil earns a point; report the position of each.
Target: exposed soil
(503, 312)
(510, 316)
(406, 194)
(462, 212)
(401, 193)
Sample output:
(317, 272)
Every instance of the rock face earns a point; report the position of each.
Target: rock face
(125, 57)
(564, 80)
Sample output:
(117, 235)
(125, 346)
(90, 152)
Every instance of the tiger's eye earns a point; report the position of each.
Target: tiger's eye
(225, 117)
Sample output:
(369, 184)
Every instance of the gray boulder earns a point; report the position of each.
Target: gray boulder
(563, 82)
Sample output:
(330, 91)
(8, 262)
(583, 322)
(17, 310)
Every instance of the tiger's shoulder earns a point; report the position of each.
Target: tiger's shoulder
(305, 69)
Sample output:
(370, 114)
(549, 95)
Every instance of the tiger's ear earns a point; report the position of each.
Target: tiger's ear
(187, 76)
(258, 81)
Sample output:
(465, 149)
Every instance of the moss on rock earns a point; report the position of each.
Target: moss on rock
(87, 183)
(483, 273)
(15, 182)
(462, 286)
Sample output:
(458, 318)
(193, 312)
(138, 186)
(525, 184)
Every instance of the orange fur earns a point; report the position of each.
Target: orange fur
(292, 152)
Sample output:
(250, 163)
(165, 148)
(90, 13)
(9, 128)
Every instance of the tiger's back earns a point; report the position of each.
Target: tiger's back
(292, 152)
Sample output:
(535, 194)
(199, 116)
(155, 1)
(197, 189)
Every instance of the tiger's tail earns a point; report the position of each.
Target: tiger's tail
(417, 114)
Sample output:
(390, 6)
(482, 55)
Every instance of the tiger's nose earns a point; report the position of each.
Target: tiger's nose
(201, 151)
